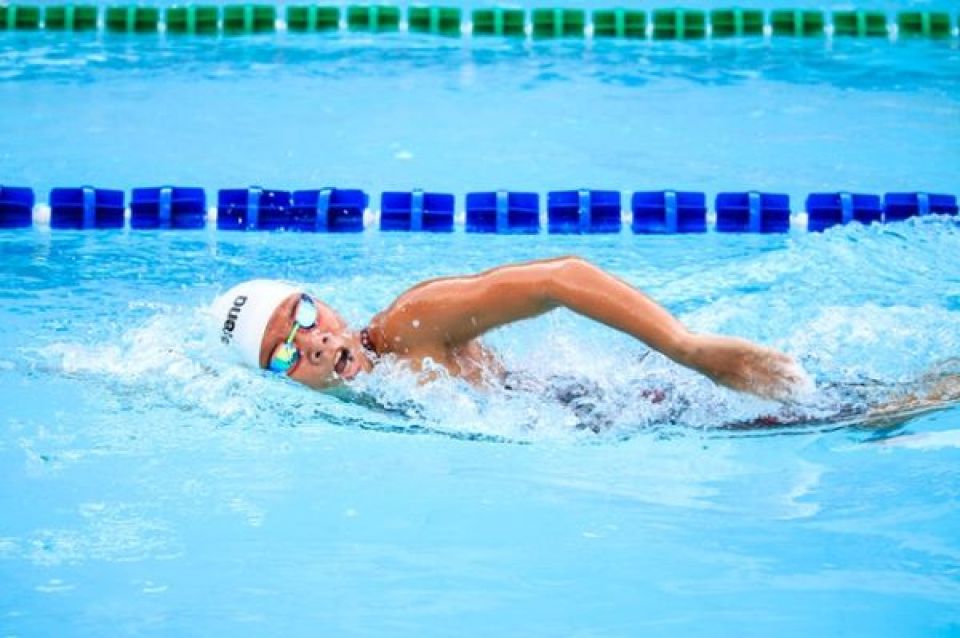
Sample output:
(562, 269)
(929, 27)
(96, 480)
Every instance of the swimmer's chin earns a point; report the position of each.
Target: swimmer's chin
(357, 366)
(331, 384)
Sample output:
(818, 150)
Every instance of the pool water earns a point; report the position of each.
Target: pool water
(146, 489)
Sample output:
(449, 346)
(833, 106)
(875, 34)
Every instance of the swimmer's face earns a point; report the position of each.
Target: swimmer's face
(329, 351)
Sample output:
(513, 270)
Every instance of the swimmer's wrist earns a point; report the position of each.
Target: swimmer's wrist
(685, 348)
(705, 353)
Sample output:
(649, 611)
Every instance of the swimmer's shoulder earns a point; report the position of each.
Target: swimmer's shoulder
(407, 325)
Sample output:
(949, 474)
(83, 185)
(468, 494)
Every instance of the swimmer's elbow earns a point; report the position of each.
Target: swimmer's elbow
(573, 263)
(537, 287)
(562, 275)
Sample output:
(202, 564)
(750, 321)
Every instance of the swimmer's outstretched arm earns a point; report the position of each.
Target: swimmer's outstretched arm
(452, 311)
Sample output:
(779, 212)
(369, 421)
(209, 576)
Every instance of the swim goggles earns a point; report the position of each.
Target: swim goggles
(286, 355)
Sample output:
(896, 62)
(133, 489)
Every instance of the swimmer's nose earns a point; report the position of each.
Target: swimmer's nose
(321, 347)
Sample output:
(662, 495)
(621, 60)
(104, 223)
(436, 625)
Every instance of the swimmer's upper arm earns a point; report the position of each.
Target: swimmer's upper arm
(453, 310)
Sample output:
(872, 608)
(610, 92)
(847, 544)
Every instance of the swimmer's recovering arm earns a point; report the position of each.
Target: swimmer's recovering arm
(457, 309)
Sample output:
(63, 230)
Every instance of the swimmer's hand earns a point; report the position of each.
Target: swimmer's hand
(746, 367)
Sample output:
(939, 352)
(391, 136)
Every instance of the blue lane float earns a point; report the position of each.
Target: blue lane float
(331, 210)
(417, 211)
(900, 206)
(753, 212)
(503, 212)
(583, 211)
(274, 210)
(166, 207)
(337, 210)
(243, 208)
(16, 207)
(86, 208)
(668, 212)
(308, 212)
(825, 210)
(334, 210)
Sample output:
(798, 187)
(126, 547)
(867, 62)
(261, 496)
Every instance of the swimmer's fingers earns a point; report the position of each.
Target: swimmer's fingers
(781, 378)
(747, 367)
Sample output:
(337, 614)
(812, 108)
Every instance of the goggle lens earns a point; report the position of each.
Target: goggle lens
(286, 355)
(284, 358)
(306, 312)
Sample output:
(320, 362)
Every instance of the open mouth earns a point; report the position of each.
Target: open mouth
(343, 359)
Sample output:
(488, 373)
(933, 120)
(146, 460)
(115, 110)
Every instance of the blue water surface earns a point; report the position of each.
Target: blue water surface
(147, 489)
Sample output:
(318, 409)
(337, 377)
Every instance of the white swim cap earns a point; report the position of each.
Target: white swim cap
(241, 315)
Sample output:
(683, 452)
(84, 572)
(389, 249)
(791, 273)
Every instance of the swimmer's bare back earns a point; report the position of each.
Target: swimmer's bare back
(442, 319)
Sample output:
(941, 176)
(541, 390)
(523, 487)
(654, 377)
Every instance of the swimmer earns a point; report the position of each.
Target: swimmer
(274, 326)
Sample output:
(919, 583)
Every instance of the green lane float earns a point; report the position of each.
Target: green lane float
(193, 20)
(70, 17)
(249, 18)
(924, 23)
(498, 21)
(132, 19)
(559, 23)
(797, 23)
(312, 18)
(619, 23)
(736, 22)
(863, 24)
(375, 18)
(539, 23)
(20, 17)
(679, 24)
(435, 20)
